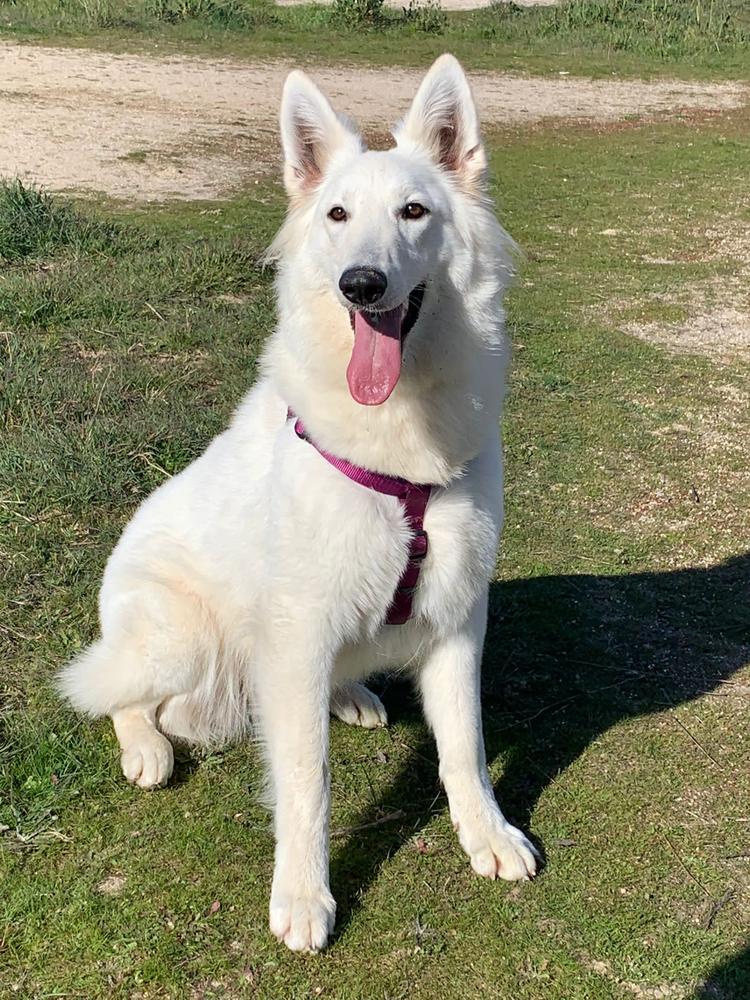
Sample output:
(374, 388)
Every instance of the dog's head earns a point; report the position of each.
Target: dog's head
(371, 226)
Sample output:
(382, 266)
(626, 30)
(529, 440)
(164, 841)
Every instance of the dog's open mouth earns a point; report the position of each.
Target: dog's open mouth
(375, 364)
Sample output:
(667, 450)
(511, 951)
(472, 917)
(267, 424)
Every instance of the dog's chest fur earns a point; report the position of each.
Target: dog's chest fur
(350, 544)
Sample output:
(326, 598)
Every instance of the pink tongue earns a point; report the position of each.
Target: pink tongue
(375, 363)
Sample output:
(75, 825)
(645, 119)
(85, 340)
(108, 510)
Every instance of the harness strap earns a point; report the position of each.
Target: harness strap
(413, 498)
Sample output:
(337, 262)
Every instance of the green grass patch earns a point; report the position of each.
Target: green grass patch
(617, 652)
(33, 225)
(688, 37)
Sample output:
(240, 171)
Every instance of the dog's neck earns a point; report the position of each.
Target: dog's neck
(447, 401)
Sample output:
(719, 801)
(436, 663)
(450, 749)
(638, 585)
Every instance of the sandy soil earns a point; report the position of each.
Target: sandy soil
(716, 324)
(719, 332)
(157, 128)
(717, 309)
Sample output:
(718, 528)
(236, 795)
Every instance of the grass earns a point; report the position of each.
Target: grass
(33, 225)
(689, 37)
(616, 670)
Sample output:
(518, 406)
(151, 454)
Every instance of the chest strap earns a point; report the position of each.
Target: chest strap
(413, 498)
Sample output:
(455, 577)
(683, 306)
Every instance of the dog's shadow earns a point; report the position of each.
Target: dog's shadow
(728, 981)
(566, 657)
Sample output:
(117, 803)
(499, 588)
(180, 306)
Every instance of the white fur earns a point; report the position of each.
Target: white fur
(257, 581)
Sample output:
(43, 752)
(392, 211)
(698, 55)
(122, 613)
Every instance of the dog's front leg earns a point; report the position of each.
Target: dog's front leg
(450, 684)
(293, 691)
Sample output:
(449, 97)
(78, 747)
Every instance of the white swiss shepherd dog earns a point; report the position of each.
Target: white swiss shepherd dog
(256, 584)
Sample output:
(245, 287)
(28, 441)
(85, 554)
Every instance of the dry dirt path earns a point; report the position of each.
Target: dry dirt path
(148, 128)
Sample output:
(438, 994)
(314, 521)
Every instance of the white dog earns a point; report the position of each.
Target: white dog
(284, 565)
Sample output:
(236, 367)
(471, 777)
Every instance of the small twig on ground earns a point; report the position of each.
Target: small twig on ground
(698, 743)
(684, 867)
(411, 749)
(389, 818)
(737, 688)
(6, 337)
(437, 796)
(150, 462)
(7, 630)
(155, 312)
(92, 419)
(16, 513)
(559, 705)
(716, 907)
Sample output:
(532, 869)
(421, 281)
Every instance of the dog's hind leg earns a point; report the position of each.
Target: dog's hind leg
(356, 705)
(156, 644)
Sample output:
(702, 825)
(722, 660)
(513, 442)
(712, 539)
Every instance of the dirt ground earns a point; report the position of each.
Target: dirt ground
(145, 128)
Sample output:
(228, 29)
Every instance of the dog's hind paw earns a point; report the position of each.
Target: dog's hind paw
(303, 923)
(358, 706)
(148, 762)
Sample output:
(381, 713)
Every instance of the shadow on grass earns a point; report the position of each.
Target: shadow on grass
(728, 981)
(566, 658)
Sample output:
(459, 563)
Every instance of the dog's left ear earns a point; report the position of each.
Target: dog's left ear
(311, 134)
(443, 120)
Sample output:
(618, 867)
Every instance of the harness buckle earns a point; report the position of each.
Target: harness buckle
(419, 546)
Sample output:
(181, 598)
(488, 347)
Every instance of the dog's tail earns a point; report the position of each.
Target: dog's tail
(97, 682)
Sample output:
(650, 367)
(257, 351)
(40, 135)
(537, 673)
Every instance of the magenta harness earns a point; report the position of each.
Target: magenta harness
(413, 498)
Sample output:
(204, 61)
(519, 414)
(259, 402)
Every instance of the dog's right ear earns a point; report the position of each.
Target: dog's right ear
(312, 134)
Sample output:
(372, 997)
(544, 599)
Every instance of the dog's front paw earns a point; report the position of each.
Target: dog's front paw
(358, 706)
(498, 850)
(302, 922)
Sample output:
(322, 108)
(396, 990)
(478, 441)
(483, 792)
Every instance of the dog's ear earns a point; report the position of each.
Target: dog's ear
(311, 135)
(443, 120)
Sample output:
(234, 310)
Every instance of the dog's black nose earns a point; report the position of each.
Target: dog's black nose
(363, 286)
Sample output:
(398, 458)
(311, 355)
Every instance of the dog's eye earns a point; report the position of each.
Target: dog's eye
(413, 210)
(337, 214)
